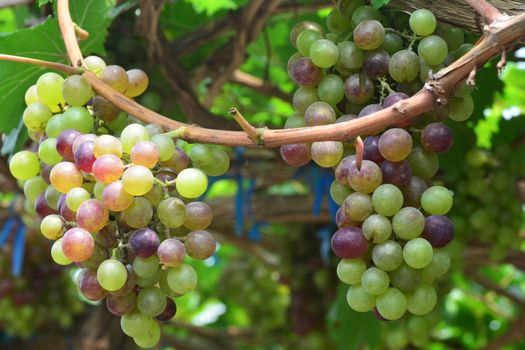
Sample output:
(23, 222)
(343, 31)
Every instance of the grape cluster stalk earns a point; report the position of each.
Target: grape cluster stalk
(117, 197)
(393, 228)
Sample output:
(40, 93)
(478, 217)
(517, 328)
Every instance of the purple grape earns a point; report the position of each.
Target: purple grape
(341, 171)
(367, 178)
(198, 216)
(349, 243)
(108, 236)
(200, 244)
(65, 143)
(89, 286)
(169, 312)
(437, 138)
(171, 252)
(346, 118)
(341, 219)
(45, 172)
(413, 191)
(297, 154)
(144, 242)
(120, 305)
(371, 151)
(376, 63)
(369, 109)
(84, 157)
(42, 208)
(396, 173)
(394, 98)
(359, 88)
(305, 73)
(439, 230)
(319, 113)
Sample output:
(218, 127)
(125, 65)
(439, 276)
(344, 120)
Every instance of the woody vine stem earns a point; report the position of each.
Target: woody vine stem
(501, 32)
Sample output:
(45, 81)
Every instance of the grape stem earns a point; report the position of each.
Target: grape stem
(52, 65)
(257, 135)
(81, 33)
(401, 34)
(359, 152)
(502, 62)
(510, 30)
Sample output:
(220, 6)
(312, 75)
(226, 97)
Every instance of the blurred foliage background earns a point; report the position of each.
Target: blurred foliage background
(272, 283)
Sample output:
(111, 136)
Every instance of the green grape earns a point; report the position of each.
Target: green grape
(454, 37)
(47, 152)
(78, 118)
(131, 135)
(300, 27)
(139, 213)
(24, 165)
(53, 227)
(331, 89)
(422, 300)
(392, 43)
(350, 56)
(422, 22)
(359, 300)
(417, 253)
(181, 279)
(463, 89)
(36, 116)
(305, 40)
(146, 267)
(112, 275)
(338, 192)
(57, 254)
(461, 108)
(327, 154)
(424, 164)
(337, 23)
(438, 266)
(151, 301)
(33, 187)
(220, 163)
(76, 90)
(347, 7)
(191, 183)
(324, 53)
(303, 97)
(436, 200)
(166, 146)
(200, 155)
(403, 66)
(49, 88)
(363, 13)
(52, 196)
(375, 281)
(392, 305)
(387, 200)
(433, 50)
(149, 337)
(137, 180)
(55, 126)
(172, 212)
(377, 228)
(75, 197)
(145, 282)
(98, 190)
(387, 256)
(135, 323)
(350, 271)
(31, 95)
(408, 223)
(95, 64)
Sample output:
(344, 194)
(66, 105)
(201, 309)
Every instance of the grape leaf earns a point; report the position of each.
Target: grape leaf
(45, 42)
(377, 4)
(43, 2)
(211, 7)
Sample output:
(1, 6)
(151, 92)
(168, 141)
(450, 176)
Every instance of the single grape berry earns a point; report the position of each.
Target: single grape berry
(437, 138)
(439, 230)
(349, 243)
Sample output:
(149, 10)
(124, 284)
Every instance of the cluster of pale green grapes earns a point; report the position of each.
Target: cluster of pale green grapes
(250, 284)
(116, 197)
(487, 207)
(392, 222)
(413, 331)
(44, 295)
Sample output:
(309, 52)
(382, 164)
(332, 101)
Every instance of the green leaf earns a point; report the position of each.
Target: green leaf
(377, 4)
(45, 42)
(212, 7)
(43, 2)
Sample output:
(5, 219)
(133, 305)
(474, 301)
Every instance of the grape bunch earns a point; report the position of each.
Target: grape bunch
(117, 197)
(393, 227)
(44, 295)
(487, 208)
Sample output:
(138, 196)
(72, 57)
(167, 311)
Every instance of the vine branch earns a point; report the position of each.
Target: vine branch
(485, 9)
(51, 65)
(510, 30)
